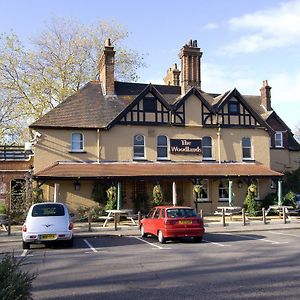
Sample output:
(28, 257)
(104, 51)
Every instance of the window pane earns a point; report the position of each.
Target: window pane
(162, 146)
(206, 141)
(162, 140)
(246, 153)
(138, 139)
(246, 142)
(162, 152)
(206, 147)
(77, 141)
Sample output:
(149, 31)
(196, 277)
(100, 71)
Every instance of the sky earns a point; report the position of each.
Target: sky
(243, 42)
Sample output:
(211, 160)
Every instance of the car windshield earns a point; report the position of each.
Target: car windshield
(181, 213)
(47, 210)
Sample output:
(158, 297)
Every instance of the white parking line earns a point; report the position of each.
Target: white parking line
(215, 243)
(24, 252)
(257, 239)
(89, 245)
(287, 234)
(154, 245)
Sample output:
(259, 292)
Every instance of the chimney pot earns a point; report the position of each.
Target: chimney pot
(190, 56)
(265, 95)
(107, 68)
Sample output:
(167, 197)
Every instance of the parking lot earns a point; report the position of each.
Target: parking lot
(248, 265)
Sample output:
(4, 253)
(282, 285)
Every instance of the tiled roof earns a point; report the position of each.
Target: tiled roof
(149, 169)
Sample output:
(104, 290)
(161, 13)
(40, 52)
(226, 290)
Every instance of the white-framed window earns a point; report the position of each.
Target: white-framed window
(278, 139)
(207, 147)
(223, 190)
(162, 147)
(77, 142)
(246, 148)
(139, 146)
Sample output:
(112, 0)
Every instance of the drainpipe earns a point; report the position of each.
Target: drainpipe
(219, 143)
(279, 194)
(98, 145)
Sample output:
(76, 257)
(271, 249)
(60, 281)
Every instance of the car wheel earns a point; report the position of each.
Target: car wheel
(26, 245)
(197, 239)
(143, 233)
(160, 237)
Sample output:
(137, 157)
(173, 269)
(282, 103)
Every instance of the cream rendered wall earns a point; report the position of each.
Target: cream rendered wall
(231, 144)
(55, 145)
(193, 111)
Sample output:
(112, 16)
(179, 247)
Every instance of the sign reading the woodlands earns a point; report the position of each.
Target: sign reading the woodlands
(184, 146)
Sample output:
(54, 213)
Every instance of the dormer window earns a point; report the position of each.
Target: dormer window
(77, 142)
(233, 108)
(278, 139)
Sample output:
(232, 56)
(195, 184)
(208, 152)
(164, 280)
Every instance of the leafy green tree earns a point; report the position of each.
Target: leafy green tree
(57, 63)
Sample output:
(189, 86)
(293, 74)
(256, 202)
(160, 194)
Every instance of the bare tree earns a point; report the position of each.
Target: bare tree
(59, 61)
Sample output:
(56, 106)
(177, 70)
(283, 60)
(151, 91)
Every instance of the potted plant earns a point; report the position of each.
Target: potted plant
(157, 195)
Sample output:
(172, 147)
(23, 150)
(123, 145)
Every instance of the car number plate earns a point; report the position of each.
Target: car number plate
(185, 222)
(48, 236)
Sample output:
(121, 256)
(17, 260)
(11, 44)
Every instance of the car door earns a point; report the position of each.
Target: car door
(148, 221)
(156, 220)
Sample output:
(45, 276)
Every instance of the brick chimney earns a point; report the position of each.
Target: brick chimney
(173, 76)
(107, 69)
(190, 56)
(265, 95)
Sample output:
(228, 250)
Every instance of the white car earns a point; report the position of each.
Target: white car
(47, 222)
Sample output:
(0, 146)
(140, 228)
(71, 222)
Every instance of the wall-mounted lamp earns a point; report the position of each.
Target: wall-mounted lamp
(77, 185)
(273, 185)
(240, 184)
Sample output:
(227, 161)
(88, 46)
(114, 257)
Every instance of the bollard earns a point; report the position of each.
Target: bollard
(90, 222)
(223, 217)
(139, 218)
(284, 215)
(201, 215)
(244, 216)
(116, 217)
(9, 225)
(264, 215)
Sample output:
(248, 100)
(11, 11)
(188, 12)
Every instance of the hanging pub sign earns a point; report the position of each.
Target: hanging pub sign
(185, 146)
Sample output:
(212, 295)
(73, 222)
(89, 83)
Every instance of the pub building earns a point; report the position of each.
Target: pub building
(135, 136)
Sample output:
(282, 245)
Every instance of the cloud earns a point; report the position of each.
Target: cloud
(265, 29)
(211, 26)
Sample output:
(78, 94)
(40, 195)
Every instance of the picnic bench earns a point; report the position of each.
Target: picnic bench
(3, 221)
(282, 208)
(113, 212)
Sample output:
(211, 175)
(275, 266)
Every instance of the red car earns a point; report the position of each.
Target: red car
(168, 222)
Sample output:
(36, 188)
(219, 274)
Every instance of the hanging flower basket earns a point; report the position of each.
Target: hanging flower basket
(198, 191)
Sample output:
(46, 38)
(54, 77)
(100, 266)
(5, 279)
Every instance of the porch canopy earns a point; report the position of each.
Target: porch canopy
(84, 170)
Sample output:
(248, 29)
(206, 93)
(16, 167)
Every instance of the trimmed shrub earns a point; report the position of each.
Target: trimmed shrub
(14, 282)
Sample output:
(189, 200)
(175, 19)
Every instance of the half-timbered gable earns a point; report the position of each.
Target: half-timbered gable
(233, 110)
(193, 110)
(148, 108)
